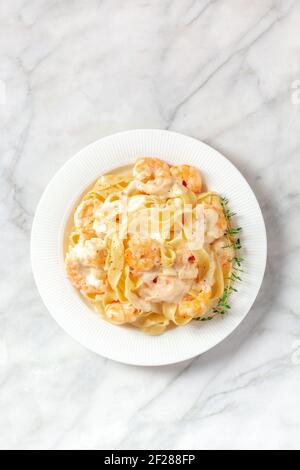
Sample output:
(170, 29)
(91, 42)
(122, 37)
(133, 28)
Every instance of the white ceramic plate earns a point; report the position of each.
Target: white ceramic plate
(126, 344)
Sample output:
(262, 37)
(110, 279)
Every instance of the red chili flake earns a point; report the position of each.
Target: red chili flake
(155, 280)
(184, 183)
(191, 259)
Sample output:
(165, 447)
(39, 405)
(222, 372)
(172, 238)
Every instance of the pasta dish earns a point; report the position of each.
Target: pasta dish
(152, 248)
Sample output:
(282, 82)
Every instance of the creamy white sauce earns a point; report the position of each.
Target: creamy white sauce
(186, 267)
(92, 279)
(169, 272)
(166, 289)
(177, 189)
(209, 277)
(144, 305)
(136, 203)
(211, 219)
(160, 186)
(189, 271)
(87, 251)
(100, 227)
(148, 276)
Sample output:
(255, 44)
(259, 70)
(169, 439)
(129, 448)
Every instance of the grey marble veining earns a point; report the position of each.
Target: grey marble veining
(222, 71)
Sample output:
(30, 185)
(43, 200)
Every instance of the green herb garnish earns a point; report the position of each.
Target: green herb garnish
(223, 304)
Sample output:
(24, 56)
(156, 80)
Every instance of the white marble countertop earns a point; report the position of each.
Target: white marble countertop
(221, 71)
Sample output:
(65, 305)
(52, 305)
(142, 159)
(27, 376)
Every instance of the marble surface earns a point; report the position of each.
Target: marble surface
(225, 72)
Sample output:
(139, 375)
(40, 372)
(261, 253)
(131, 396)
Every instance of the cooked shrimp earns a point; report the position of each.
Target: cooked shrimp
(152, 175)
(85, 213)
(215, 223)
(89, 281)
(193, 307)
(120, 313)
(148, 168)
(225, 253)
(188, 176)
(142, 255)
(186, 264)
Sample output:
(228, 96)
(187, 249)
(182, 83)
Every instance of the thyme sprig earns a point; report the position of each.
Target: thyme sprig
(235, 244)
(223, 304)
(233, 231)
(237, 260)
(228, 214)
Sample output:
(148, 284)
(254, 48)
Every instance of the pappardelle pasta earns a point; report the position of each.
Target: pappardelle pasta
(150, 248)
